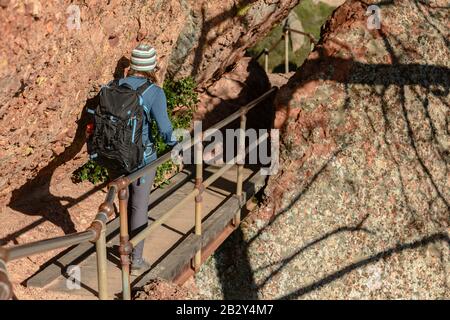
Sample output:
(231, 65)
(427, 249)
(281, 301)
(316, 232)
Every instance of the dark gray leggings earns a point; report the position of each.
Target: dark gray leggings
(138, 210)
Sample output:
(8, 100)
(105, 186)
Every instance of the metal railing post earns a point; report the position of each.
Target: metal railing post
(105, 211)
(266, 60)
(240, 164)
(286, 50)
(102, 265)
(6, 291)
(198, 198)
(125, 246)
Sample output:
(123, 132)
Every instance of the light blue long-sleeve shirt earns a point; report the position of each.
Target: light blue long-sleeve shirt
(155, 106)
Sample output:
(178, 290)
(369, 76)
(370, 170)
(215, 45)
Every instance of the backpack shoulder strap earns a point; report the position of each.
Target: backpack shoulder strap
(115, 83)
(144, 87)
(141, 90)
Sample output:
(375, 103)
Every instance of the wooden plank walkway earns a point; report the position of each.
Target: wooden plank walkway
(168, 248)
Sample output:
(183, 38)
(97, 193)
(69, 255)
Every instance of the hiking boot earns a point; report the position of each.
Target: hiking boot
(138, 267)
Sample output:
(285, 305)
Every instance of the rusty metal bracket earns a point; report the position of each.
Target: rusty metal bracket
(97, 226)
(123, 194)
(107, 208)
(125, 249)
(120, 183)
(201, 188)
(199, 183)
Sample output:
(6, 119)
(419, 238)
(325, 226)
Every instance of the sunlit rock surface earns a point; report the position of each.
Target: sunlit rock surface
(360, 206)
(52, 64)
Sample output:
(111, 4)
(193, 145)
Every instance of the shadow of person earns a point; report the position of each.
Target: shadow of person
(122, 65)
(281, 68)
(255, 84)
(34, 197)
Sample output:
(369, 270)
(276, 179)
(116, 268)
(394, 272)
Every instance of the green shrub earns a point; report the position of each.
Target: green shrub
(162, 171)
(243, 9)
(91, 172)
(179, 94)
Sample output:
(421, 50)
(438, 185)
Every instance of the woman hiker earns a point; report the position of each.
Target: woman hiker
(153, 101)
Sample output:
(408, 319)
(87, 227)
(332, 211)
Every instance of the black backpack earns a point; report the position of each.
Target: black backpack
(116, 141)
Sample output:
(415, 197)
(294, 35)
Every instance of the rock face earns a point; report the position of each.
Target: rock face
(55, 57)
(216, 34)
(243, 82)
(360, 207)
(297, 40)
(158, 289)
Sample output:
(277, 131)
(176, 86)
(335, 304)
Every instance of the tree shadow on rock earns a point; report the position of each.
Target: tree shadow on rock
(402, 77)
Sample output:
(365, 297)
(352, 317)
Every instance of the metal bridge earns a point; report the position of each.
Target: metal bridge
(187, 222)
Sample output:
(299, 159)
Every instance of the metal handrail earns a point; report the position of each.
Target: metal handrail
(96, 231)
(146, 232)
(285, 36)
(29, 249)
(268, 50)
(307, 34)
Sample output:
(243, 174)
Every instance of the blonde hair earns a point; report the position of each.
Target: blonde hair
(150, 75)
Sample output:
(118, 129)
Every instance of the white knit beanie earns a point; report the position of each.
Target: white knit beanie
(143, 58)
